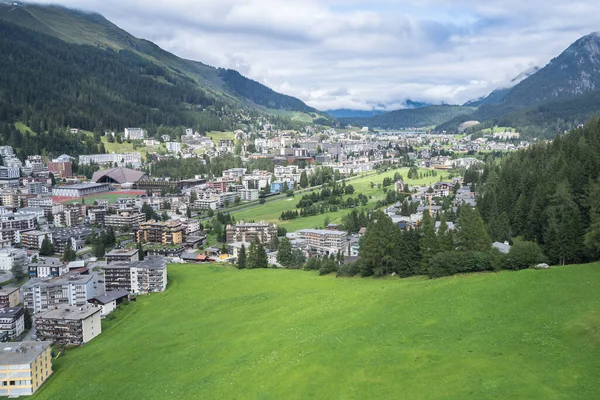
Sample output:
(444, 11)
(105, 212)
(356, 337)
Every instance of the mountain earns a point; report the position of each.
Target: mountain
(412, 118)
(498, 94)
(194, 85)
(346, 113)
(574, 72)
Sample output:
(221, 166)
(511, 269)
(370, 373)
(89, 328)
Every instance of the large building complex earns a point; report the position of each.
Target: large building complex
(324, 241)
(24, 367)
(120, 159)
(124, 219)
(80, 189)
(69, 325)
(139, 277)
(170, 232)
(10, 258)
(11, 225)
(135, 133)
(242, 232)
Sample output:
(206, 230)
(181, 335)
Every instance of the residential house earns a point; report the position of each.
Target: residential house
(69, 325)
(24, 367)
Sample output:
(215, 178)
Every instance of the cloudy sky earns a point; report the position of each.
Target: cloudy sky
(361, 54)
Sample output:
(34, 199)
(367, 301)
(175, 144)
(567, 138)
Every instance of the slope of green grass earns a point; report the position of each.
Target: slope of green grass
(221, 333)
(216, 136)
(271, 211)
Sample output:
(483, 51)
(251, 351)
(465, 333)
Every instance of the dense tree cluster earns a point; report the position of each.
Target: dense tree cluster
(548, 194)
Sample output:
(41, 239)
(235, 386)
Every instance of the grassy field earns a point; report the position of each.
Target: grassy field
(125, 147)
(220, 333)
(271, 211)
(111, 197)
(21, 127)
(216, 136)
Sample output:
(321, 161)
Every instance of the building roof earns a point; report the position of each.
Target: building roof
(119, 175)
(111, 295)
(122, 252)
(69, 312)
(502, 247)
(11, 312)
(323, 232)
(22, 352)
(81, 186)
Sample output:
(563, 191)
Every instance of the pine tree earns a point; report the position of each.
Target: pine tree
(253, 253)
(47, 249)
(241, 261)
(261, 260)
(429, 243)
(69, 254)
(141, 252)
(472, 235)
(98, 249)
(445, 239)
(499, 227)
(378, 250)
(303, 180)
(284, 252)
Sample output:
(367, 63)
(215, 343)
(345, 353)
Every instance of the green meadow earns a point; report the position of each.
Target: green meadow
(271, 210)
(222, 333)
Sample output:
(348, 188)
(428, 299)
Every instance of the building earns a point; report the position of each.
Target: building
(69, 325)
(33, 239)
(125, 220)
(170, 232)
(62, 169)
(138, 277)
(173, 147)
(75, 236)
(248, 194)
(234, 173)
(9, 174)
(134, 159)
(24, 367)
(47, 268)
(11, 257)
(242, 232)
(9, 297)
(119, 175)
(324, 241)
(122, 255)
(12, 322)
(109, 301)
(11, 225)
(80, 189)
(72, 289)
(135, 133)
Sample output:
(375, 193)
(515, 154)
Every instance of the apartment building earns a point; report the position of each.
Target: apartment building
(173, 147)
(11, 225)
(122, 255)
(324, 241)
(72, 289)
(234, 173)
(242, 232)
(170, 232)
(33, 239)
(248, 194)
(12, 322)
(138, 277)
(109, 301)
(69, 325)
(10, 257)
(124, 220)
(135, 133)
(47, 268)
(9, 297)
(62, 169)
(24, 367)
(74, 235)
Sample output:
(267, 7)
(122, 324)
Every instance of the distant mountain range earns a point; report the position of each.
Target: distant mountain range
(348, 113)
(540, 102)
(47, 53)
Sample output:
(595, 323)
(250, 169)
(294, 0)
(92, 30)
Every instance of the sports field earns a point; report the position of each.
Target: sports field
(222, 333)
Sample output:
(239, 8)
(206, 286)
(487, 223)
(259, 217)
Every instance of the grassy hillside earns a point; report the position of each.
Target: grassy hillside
(221, 333)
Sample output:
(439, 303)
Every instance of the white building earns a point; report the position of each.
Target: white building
(248, 194)
(12, 321)
(70, 325)
(11, 225)
(173, 147)
(80, 190)
(10, 257)
(40, 294)
(324, 241)
(134, 159)
(135, 133)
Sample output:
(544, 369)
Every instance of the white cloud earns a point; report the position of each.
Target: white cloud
(358, 53)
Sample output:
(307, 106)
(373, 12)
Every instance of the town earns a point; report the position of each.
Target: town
(76, 247)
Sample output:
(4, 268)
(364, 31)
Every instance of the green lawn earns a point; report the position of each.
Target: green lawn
(221, 333)
(271, 211)
(216, 136)
(111, 197)
(21, 127)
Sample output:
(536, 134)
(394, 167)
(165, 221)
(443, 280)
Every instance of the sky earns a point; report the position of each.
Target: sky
(361, 54)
